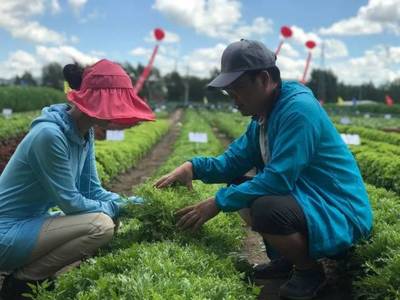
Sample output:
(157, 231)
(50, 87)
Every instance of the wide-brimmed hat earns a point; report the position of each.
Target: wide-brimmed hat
(107, 93)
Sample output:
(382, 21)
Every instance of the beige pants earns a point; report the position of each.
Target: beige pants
(64, 240)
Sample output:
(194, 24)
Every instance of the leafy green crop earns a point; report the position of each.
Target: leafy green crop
(114, 157)
(29, 98)
(16, 125)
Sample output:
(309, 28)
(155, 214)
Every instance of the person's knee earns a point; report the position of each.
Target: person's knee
(262, 210)
(102, 227)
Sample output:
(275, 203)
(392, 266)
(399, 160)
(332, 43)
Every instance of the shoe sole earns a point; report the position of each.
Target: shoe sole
(318, 290)
(260, 281)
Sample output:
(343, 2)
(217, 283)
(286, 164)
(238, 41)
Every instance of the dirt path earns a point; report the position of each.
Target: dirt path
(254, 252)
(123, 183)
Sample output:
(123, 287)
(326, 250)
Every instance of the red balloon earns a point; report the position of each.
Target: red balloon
(310, 44)
(159, 34)
(286, 31)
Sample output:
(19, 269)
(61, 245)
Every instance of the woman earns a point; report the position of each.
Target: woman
(55, 165)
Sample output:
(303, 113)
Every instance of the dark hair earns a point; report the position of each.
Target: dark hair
(273, 72)
(73, 75)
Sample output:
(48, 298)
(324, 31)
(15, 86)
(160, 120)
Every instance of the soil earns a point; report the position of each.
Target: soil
(123, 183)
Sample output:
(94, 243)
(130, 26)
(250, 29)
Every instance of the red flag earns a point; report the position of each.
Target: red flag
(389, 100)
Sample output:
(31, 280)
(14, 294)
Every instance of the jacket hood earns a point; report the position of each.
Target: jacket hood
(58, 114)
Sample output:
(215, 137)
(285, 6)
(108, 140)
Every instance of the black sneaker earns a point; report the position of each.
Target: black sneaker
(303, 284)
(277, 268)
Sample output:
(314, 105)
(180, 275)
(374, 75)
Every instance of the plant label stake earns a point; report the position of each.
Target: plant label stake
(351, 139)
(115, 135)
(7, 113)
(198, 137)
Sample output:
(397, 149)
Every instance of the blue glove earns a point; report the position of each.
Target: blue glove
(135, 200)
(123, 202)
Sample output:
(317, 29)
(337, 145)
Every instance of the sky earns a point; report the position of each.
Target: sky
(360, 38)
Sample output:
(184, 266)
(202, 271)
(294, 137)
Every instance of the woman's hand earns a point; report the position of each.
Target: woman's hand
(182, 174)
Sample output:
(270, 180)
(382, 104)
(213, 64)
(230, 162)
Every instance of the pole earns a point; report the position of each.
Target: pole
(303, 80)
(279, 48)
(146, 72)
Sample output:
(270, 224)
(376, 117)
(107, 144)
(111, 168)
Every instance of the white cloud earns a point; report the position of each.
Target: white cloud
(291, 68)
(77, 5)
(213, 18)
(15, 18)
(55, 6)
(289, 51)
(64, 55)
(301, 37)
(378, 64)
(141, 51)
(17, 63)
(333, 48)
(199, 62)
(170, 37)
(20, 61)
(375, 17)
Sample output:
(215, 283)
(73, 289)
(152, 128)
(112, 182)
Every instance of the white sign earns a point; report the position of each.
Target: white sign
(388, 116)
(7, 112)
(198, 137)
(367, 116)
(115, 135)
(351, 139)
(345, 121)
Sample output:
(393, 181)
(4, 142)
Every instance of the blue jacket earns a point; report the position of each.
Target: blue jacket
(308, 160)
(52, 166)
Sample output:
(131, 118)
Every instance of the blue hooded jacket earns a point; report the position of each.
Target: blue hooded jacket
(306, 158)
(52, 166)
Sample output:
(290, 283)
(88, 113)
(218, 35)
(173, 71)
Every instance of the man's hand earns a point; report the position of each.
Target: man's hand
(193, 217)
(182, 174)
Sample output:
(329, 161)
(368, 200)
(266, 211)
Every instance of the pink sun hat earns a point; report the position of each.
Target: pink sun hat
(107, 93)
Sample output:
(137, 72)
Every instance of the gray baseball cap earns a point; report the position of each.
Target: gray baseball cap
(242, 56)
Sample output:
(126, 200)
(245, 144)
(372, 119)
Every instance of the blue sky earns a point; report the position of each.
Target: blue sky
(360, 38)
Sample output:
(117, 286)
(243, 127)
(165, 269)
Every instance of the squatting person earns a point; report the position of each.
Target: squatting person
(55, 165)
(307, 200)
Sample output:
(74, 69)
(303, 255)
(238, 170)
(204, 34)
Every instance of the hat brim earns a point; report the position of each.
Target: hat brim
(224, 79)
(116, 105)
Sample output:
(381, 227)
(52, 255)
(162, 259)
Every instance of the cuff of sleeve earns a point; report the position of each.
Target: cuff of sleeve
(194, 162)
(224, 201)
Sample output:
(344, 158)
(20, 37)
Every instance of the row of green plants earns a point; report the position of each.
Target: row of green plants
(375, 264)
(372, 122)
(115, 157)
(29, 98)
(16, 125)
(149, 258)
(379, 165)
(365, 108)
(370, 134)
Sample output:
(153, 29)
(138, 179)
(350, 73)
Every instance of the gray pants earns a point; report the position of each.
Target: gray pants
(64, 240)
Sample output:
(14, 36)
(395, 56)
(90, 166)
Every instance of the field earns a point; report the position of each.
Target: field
(150, 259)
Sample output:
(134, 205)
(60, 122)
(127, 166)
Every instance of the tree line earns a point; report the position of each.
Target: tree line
(175, 87)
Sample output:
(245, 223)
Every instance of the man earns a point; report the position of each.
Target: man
(308, 199)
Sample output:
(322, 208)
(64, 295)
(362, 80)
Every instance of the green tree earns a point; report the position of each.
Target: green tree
(324, 85)
(52, 76)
